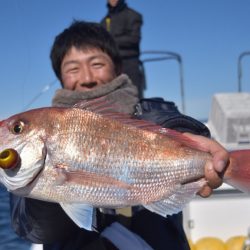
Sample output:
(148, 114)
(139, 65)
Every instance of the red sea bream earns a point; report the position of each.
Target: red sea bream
(88, 156)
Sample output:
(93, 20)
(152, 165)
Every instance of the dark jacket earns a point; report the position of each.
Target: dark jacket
(124, 24)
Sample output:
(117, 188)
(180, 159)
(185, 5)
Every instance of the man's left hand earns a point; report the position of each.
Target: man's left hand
(214, 169)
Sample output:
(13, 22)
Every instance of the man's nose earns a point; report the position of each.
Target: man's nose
(86, 75)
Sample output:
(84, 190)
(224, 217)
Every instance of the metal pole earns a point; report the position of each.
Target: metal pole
(240, 68)
(168, 55)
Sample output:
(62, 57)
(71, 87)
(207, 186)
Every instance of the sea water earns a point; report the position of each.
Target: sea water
(8, 239)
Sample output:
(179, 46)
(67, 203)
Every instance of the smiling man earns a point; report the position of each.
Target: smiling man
(86, 61)
(85, 70)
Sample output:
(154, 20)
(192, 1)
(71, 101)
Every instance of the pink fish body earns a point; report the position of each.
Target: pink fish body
(72, 155)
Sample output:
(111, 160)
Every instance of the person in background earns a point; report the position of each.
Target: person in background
(87, 63)
(124, 24)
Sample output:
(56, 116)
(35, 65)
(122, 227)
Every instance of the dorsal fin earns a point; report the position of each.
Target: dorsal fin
(107, 108)
(98, 105)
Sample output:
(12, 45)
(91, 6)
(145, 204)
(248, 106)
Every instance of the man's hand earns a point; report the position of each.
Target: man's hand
(213, 170)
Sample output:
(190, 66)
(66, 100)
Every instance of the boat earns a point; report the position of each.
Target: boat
(225, 214)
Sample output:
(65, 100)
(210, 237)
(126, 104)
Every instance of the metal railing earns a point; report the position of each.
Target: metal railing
(168, 55)
(243, 54)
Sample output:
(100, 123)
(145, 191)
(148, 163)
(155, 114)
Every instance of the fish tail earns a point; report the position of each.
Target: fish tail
(238, 172)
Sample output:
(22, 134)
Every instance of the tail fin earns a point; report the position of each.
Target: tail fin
(238, 171)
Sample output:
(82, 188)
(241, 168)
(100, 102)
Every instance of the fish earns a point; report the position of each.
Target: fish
(91, 156)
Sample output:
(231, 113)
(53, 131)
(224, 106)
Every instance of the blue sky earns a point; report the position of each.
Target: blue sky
(208, 34)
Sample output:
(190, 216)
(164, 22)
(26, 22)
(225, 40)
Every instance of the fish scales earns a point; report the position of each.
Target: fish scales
(146, 168)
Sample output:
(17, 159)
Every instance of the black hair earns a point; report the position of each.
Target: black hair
(84, 35)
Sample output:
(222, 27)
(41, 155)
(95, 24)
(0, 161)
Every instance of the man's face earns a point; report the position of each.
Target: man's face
(113, 3)
(84, 70)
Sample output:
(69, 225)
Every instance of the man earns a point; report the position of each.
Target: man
(124, 24)
(86, 61)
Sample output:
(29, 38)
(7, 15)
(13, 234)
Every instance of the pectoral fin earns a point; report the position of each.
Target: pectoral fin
(83, 177)
(176, 201)
(81, 214)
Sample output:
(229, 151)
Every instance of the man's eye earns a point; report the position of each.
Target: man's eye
(72, 70)
(98, 65)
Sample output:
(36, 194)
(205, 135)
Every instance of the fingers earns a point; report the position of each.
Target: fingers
(213, 169)
(205, 191)
(213, 178)
(218, 152)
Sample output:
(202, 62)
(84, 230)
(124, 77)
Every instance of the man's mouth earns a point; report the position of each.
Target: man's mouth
(89, 85)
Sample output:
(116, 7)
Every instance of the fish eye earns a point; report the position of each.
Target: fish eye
(17, 127)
